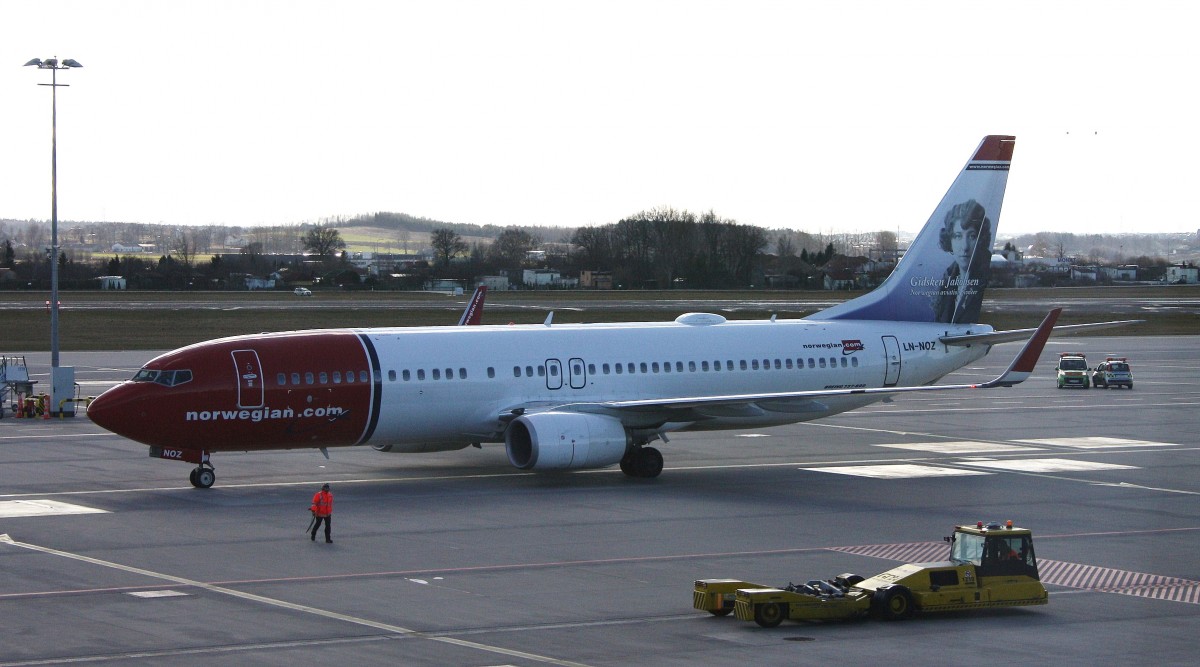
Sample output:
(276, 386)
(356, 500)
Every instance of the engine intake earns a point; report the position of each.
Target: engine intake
(564, 441)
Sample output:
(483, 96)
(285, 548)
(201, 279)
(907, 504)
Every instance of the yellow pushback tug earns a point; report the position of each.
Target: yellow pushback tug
(990, 565)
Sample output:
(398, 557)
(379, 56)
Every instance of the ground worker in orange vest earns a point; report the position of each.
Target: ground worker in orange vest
(322, 510)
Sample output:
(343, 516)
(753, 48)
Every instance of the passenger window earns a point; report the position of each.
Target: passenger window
(654, 366)
(337, 377)
(308, 378)
(363, 376)
(295, 378)
(644, 368)
(754, 364)
(462, 373)
(822, 362)
(281, 379)
(630, 368)
(778, 365)
(811, 363)
(349, 376)
(618, 368)
(437, 373)
(691, 366)
(604, 367)
(325, 377)
(420, 373)
(666, 367)
(844, 362)
(392, 376)
(529, 371)
(449, 373)
(743, 364)
(854, 361)
(704, 366)
(491, 372)
(516, 371)
(833, 362)
(729, 364)
(679, 366)
(406, 375)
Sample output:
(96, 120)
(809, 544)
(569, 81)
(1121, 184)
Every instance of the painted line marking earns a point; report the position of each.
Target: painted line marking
(961, 447)
(11, 509)
(1096, 442)
(282, 604)
(898, 471)
(1049, 465)
(168, 593)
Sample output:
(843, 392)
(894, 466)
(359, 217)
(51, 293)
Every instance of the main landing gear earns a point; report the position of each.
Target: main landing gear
(203, 476)
(642, 461)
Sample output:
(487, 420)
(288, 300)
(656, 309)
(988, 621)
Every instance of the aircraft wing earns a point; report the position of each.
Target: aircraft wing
(994, 337)
(803, 401)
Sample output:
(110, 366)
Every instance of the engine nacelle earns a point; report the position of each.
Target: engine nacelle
(564, 440)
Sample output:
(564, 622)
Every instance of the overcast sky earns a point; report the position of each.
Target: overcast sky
(818, 116)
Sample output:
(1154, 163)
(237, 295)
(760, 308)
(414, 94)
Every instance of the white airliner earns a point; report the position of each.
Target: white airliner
(567, 396)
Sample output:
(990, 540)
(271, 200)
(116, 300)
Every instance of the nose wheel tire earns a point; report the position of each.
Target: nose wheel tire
(202, 477)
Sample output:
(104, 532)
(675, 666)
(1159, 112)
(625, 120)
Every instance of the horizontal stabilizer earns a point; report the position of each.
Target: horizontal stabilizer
(995, 337)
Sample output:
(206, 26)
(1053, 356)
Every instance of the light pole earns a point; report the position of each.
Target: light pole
(53, 65)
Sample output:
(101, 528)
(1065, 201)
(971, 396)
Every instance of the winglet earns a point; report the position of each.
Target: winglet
(1022, 367)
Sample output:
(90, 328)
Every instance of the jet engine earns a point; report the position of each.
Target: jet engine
(564, 440)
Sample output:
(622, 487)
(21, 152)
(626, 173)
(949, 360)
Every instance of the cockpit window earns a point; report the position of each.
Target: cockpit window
(165, 378)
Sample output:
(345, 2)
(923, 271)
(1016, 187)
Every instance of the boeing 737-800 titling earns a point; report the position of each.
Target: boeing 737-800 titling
(567, 396)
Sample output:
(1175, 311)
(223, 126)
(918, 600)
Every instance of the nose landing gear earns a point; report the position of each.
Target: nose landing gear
(203, 476)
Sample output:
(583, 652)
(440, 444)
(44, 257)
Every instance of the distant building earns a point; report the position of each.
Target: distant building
(1180, 274)
(494, 283)
(596, 279)
(112, 282)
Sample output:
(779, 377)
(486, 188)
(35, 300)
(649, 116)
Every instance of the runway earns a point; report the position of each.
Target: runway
(455, 558)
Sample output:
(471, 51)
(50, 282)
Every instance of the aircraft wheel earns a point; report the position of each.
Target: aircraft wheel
(204, 478)
(723, 611)
(192, 477)
(649, 463)
(768, 615)
(627, 465)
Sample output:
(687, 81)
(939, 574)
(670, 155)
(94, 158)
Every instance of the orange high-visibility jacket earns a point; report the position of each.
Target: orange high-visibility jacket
(322, 504)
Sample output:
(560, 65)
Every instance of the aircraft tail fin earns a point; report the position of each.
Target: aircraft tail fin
(473, 313)
(942, 275)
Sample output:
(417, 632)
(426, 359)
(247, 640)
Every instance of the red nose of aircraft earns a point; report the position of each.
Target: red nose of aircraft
(125, 410)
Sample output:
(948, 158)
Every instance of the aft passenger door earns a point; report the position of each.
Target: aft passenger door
(891, 351)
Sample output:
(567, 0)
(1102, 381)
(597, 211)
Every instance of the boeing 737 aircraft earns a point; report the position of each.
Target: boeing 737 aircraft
(568, 396)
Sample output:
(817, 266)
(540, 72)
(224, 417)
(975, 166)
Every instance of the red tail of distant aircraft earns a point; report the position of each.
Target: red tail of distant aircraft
(473, 314)
(567, 396)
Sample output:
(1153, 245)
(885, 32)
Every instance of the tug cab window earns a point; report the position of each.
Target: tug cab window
(996, 555)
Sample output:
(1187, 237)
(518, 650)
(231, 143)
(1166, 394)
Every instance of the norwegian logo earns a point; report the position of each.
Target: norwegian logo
(852, 346)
